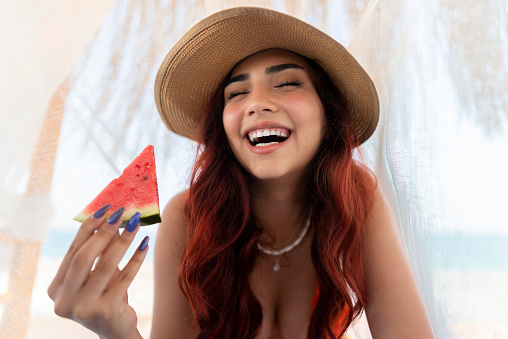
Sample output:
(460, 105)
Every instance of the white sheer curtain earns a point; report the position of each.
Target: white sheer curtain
(440, 151)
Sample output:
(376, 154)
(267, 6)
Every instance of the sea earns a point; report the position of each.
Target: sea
(448, 252)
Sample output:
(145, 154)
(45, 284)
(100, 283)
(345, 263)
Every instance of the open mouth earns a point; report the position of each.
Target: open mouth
(267, 137)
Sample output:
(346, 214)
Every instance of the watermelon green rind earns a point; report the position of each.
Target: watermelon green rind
(135, 189)
(152, 219)
(149, 215)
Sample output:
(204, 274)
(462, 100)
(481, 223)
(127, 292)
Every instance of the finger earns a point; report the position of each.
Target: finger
(87, 229)
(119, 287)
(107, 265)
(115, 237)
(82, 262)
(115, 275)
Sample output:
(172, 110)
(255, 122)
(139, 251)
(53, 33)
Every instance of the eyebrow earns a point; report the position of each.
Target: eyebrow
(240, 77)
(269, 70)
(281, 67)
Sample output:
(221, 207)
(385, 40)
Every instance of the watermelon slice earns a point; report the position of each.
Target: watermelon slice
(135, 190)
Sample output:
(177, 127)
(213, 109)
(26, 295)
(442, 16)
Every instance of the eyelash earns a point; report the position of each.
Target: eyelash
(295, 83)
(289, 83)
(235, 93)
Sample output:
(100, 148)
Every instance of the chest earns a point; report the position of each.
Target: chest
(286, 296)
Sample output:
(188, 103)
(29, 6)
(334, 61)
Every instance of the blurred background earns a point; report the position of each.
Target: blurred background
(76, 94)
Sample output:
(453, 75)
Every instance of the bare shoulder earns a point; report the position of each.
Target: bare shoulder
(381, 208)
(172, 228)
(172, 316)
(174, 210)
(394, 305)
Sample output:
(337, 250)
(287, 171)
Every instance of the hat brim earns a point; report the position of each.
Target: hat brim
(196, 66)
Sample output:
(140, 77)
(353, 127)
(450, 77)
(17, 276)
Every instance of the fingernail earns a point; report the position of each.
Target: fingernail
(100, 212)
(144, 244)
(115, 216)
(133, 223)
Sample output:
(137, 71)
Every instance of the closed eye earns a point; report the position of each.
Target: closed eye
(285, 83)
(236, 93)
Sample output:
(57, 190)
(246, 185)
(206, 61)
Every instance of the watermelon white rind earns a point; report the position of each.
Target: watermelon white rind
(136, 190)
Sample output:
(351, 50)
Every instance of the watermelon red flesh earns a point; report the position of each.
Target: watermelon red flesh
(135, 190)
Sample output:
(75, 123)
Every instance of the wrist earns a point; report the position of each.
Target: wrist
(134, 335)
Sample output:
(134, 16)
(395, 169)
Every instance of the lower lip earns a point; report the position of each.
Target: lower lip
(265, 149)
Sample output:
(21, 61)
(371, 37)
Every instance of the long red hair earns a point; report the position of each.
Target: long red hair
(221, 232)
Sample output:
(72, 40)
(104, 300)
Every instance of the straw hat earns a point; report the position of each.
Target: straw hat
(196, 66)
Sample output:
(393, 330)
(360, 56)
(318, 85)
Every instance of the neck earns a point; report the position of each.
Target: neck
(279, 206)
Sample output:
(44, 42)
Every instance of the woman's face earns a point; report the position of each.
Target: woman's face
(273, 117)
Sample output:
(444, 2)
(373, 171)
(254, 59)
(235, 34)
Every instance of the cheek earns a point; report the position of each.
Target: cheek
(228, 121)
(232, 127)
(309, 111)
(231, 124)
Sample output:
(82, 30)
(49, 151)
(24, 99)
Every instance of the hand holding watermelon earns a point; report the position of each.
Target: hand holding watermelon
(97, 298)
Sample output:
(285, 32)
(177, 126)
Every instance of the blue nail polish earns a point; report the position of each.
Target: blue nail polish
(144, 244)
(133, 223)
(115, 216)
(100, 212)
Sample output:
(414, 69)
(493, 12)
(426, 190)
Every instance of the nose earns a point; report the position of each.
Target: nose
(261, 101)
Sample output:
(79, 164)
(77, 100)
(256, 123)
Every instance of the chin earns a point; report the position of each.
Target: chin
(271, 173)
(267, 177)
(266, 173)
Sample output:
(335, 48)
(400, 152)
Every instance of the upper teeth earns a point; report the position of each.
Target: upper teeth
(267, 132)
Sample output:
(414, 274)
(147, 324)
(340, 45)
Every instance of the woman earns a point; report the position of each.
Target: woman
(282, 232)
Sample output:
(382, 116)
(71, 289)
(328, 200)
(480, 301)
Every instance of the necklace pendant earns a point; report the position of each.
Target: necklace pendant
(286, 249)
(276, 267)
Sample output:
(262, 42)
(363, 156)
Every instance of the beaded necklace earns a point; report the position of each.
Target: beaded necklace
(278, 253)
